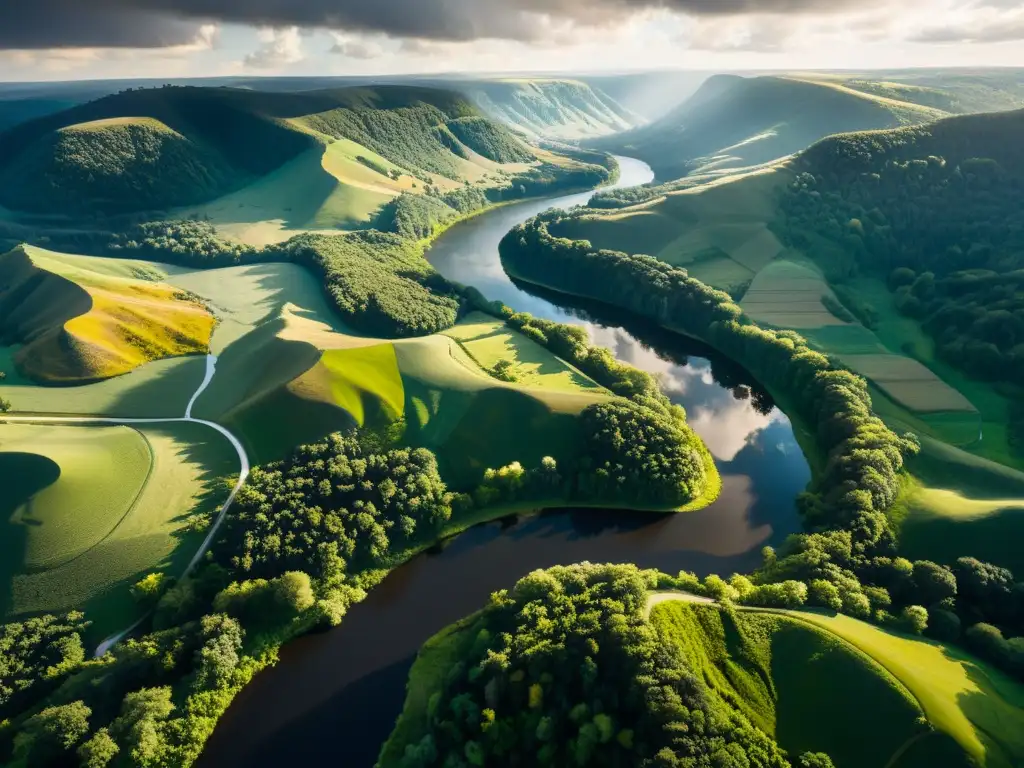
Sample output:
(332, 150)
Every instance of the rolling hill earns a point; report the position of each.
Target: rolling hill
(310, 160)
(78, 319)
(561, 109)
(733, 122)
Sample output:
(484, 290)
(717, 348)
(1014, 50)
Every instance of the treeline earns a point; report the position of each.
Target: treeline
(851, 544)
(935, 211)
(563, 670)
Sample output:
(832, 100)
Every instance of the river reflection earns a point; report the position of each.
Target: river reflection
(333, 698)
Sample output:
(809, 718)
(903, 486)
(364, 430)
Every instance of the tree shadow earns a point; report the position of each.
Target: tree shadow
(25, 475)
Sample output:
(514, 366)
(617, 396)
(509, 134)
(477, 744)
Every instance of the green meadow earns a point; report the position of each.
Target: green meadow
(834, 684)
(94, 508)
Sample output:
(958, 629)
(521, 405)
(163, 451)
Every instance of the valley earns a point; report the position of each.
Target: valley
(513, 420)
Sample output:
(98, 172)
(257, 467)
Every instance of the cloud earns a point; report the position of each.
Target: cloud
(152, 23)
(759, 33)
(357, 47)
(1000, 28)
(36, 24)
(278, 47)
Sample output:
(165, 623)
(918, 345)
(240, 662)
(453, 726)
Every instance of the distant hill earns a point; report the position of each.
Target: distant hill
(565, 109)
(732, 122)
(957, 91)
(650, 95)
(168, 147)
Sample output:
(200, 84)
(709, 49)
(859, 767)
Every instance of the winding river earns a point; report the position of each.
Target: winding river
(333, 697)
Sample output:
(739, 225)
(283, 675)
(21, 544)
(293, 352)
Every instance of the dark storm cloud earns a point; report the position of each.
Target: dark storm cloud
(65, 23)
(33, 24)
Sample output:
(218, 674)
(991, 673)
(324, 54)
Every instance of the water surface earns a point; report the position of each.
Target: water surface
(333, 698)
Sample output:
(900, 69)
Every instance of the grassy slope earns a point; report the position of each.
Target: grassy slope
(790, 680)
(261, 165)
(980, 707)
(944, 524)
(716, 227)
(763, 657)
(487, 340)
(78, 324)
(286, 383)
(732, 122)
(97, 508)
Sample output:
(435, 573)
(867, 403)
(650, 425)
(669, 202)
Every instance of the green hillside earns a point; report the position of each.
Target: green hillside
(316, 160)
(567, 109)
(792, 673)
(732, 122)
(957, 91)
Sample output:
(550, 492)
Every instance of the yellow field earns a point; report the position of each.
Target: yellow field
(488, 340)
(78, 324)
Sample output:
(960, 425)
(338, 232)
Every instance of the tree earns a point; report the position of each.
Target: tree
(934, 583)
(943, 625)
(148, 590)
(98, 751)
(52, 734)
(814, 760)
(914, 619)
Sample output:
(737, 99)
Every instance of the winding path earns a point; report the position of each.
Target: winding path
(243, 460)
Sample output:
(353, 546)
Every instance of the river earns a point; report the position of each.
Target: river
(333, 697)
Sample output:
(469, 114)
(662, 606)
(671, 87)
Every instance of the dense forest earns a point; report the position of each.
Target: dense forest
(934, 210)
(130, 164)
(563, 670)
(851, 544)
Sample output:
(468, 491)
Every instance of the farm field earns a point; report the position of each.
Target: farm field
(78, 324)
(717, 230)
(96, 508)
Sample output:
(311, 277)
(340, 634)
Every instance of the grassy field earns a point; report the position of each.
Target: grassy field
(854, 690)
(97, 508)
(80, 324)
(293, 380)
(717, 231)
(243, 297)
(790, 294)
(942, 525)
(978, 706)
(488, 340)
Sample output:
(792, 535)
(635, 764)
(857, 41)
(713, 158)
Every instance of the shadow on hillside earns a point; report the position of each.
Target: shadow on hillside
(26, 474)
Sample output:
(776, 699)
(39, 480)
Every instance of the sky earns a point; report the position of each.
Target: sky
(92, 39)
